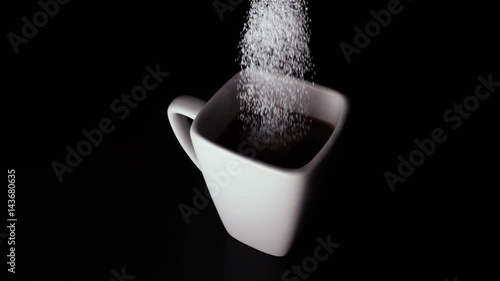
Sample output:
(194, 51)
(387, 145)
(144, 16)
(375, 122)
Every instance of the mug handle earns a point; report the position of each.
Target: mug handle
(178, 110)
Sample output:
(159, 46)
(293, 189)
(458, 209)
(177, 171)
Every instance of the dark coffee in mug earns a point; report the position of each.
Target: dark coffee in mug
(295, 155)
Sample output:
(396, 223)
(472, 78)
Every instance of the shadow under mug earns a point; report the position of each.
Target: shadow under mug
(259, 204)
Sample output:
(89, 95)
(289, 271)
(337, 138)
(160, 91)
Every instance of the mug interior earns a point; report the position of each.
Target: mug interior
(323, 104)
(219, 111)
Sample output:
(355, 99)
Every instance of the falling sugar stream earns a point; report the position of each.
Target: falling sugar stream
(274, 43)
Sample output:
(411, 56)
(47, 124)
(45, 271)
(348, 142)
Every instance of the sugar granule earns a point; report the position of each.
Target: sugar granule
(274, 44)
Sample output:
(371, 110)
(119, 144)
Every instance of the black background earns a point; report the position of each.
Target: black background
(119, 208)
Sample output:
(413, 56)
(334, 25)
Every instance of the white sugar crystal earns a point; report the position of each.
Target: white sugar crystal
(274, 41)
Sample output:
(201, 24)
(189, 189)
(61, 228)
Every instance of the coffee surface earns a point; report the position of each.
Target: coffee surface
(292, 156)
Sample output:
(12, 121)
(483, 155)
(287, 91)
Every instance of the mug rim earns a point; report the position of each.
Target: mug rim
(310, 165)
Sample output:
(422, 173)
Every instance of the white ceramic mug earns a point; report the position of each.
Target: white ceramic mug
(259, 204)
